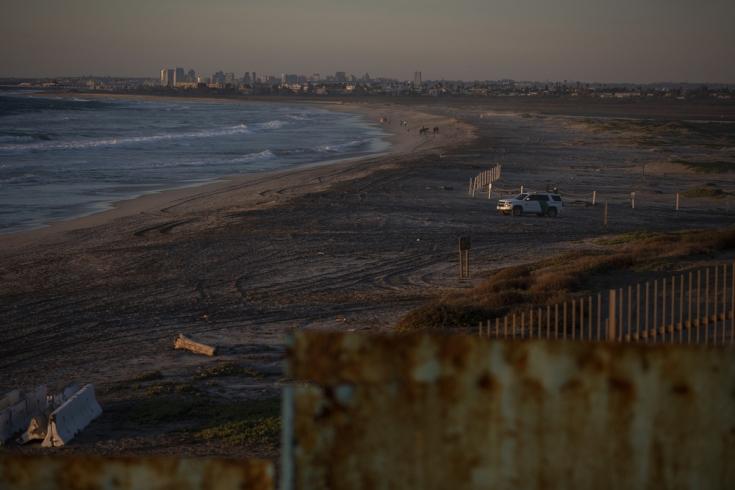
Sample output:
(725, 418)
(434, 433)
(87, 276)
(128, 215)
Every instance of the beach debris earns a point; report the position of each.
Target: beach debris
(183, 342)
(71, 417)
(340, 319)
(36, 431)
(37, 414)
(17, 409)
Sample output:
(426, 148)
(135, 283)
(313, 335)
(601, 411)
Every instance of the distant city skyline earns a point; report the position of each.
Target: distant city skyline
(592, 41)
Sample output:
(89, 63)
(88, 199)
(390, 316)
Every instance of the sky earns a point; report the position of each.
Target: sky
(638, 41)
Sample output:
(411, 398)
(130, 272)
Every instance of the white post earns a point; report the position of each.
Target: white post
(594, 197)
(489, 190)
(677, 201)
(521, 189)
(632, 200)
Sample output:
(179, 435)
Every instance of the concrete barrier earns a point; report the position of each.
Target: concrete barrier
(70, 418)
(10, 398)
(5, 426)
(36, 403)
(19, 418)
(58, 399)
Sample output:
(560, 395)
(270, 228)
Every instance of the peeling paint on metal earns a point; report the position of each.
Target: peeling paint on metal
(25, 472)
(460, 412)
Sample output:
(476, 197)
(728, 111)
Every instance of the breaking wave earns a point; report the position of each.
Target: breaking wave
(341, 146)
(96, 143)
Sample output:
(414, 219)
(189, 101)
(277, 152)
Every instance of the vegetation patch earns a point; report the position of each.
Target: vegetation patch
(555, 280)
(264, 431)
(712, 167)
(226, 369)
(150, 376)
(662, 133)
(233, 422)
(711, 192)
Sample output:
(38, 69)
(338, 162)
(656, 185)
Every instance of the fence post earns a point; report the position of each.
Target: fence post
(489, 190)
(632, 200)
(732, 305)
(521, 189)
(594, 198)
(677, 201)
(604, 215)
(612, 316)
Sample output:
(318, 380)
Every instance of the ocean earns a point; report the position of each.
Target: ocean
(62, 158)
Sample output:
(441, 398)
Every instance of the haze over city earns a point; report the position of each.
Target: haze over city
(628, 41)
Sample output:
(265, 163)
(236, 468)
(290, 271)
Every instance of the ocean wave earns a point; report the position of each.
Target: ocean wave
(95, 143)
(19, 179)
(253, 157)
(18, 137)
(276, 124)
(247, 158)
(341, 146)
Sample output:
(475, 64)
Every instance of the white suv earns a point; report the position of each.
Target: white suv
(540, 203)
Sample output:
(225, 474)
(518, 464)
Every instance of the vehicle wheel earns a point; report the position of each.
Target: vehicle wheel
(517, 211)
(551, 213)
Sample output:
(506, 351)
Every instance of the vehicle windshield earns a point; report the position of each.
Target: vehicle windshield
(520, 197)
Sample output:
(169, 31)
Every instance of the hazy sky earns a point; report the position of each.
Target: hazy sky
(590, 40)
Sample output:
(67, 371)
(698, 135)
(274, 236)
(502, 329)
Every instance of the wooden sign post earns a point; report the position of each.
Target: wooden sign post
(464, 257)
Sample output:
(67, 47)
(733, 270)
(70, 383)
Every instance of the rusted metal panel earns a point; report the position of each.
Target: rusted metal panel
(437, 412)
(24, 472)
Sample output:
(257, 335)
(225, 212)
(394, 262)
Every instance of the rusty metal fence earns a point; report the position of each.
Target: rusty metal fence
(438, 412)
(693, 307)
(88, 472)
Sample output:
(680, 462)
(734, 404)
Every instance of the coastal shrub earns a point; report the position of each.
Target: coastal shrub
(554, 280)
(226, 369)
(705, 192)
(265, 431)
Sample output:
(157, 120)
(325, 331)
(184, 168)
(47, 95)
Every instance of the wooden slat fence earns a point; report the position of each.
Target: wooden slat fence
(692, 307)
(484, 180)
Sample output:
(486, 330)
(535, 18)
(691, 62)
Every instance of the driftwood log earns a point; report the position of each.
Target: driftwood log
(183, 342)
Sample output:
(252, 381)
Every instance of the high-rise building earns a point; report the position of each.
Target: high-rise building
(246, 78)
(179, 76)
(164, 77)
(191, 76)
(289, 78)
(340, 76)
(417, 79)
(219, 78)
(254, 78)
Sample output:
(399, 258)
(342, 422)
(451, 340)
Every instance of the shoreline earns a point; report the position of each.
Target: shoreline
(402, 141)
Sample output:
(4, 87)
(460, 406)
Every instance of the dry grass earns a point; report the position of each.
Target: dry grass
(554, 280)
(709, 192)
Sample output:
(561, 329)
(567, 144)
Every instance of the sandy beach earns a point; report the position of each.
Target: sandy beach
(351, 245)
